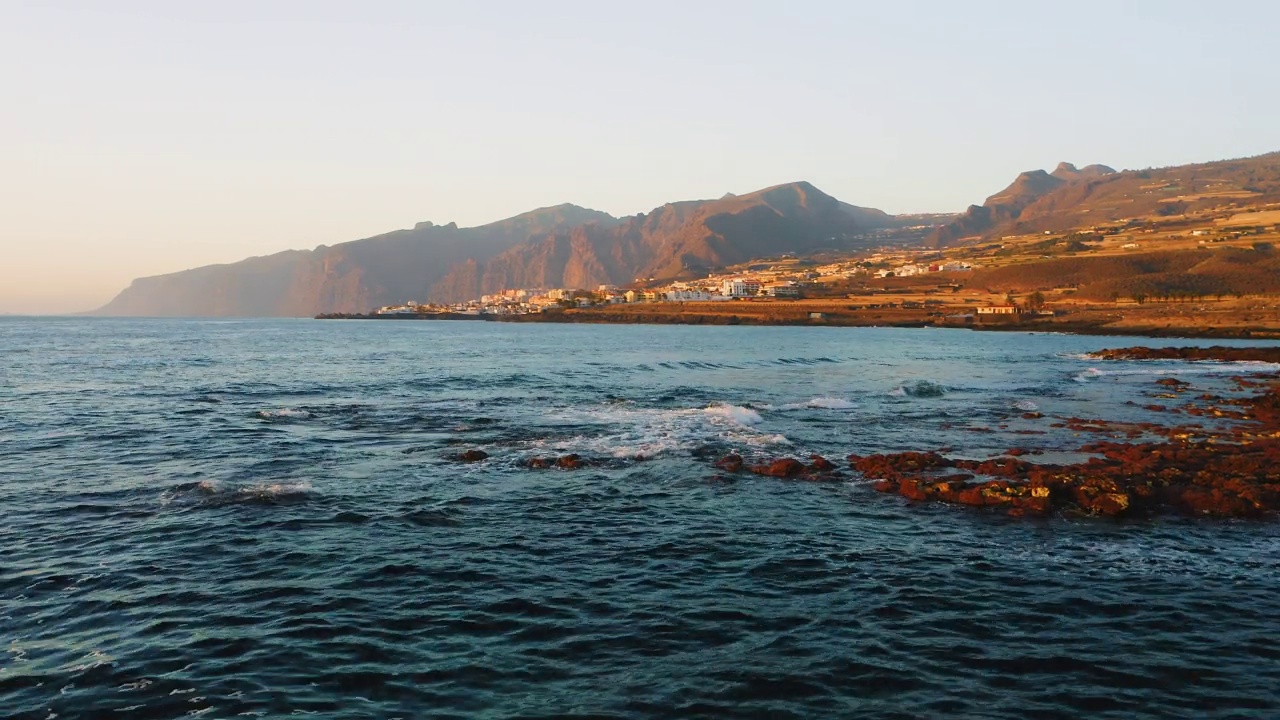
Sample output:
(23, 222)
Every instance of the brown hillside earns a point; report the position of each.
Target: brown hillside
(1170, 274)
(675, 240)
(1096, 195)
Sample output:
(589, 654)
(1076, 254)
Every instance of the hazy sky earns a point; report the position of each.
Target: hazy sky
(138, 138)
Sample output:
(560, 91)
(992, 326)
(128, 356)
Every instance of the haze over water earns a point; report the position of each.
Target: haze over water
(265, 517)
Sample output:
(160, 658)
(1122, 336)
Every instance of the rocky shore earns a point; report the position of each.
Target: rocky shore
(1216, 353)
(1231, 470)
(1227, 466)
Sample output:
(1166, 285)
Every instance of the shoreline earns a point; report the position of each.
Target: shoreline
(1089, 327)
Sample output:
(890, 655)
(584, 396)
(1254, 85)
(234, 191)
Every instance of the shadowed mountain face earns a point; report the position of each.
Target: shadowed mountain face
(1070, 198)
(564, 246)
(350, 277)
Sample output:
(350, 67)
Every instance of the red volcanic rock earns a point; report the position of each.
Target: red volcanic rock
(1172, 382)
(886, 486)
(1217, 352)
(780, 468)
(1015, 452)
(894, 465)
(569, 462)
(471, 456)
(538, 463)
(731, 463)
(817, 463)
(912, 489)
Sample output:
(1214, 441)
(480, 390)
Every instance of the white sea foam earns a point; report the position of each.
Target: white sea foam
(830, 403)
(629, 431)
(735, 413)
(1242, 367)
(820, 403)
(1087, 375)
(283, 413)
(279, 489)
(1026, 406)
(919, 388)
(217, 492)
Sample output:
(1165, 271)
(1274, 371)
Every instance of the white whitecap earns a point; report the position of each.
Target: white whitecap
(830, 403)
(283, 413)
(735, 413)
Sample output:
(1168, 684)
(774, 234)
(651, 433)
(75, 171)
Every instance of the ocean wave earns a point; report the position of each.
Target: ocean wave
(919, 389)
(625, 431)
(1243, 367)
(214, 493)
(817, 403)
(1025, 406)
(734, 413)
(283, 414)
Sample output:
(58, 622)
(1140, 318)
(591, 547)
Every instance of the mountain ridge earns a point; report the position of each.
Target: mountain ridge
(1070, 198)
(557, 246)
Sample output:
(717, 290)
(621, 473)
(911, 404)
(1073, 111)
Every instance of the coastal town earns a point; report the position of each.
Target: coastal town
(784, 278)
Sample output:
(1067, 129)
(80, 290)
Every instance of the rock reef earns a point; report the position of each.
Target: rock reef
(1228, 470)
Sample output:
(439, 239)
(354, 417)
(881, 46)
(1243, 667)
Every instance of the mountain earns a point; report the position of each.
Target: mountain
(1070, 198)
(349, 277)
(563, 246)
(1008, 204)
(682, 239)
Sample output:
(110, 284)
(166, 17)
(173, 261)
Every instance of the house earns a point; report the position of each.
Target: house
(1000, 310)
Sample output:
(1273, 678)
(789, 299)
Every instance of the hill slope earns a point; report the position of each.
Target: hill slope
(1071, 198)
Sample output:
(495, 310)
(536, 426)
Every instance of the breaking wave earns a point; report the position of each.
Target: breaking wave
(283, 414)
(919, 389)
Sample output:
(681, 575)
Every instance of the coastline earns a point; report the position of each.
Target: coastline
(1093, 322)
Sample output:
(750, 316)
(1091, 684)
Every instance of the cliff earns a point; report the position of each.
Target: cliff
(563, 246)
(349, 277)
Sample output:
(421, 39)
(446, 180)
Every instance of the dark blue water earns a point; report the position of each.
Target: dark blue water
(263, 518)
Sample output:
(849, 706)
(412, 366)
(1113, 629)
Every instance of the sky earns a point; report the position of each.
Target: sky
(139, 138)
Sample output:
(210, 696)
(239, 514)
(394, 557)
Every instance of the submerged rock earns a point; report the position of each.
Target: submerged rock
(780, 468)
(819, 464)
(471, 456)
(731, 463)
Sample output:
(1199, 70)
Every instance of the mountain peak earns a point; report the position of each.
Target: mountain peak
(1068, 171)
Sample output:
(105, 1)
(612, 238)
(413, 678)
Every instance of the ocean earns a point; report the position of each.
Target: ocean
(263, 518)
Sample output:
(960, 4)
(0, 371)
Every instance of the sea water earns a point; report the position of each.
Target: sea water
(267, 517)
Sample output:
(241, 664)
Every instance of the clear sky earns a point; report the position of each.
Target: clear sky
(139, 138)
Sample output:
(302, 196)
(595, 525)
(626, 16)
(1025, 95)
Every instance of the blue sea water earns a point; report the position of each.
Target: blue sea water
(264, 518)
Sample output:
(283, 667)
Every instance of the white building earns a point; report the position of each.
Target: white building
(691, 296)
(740, 287)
